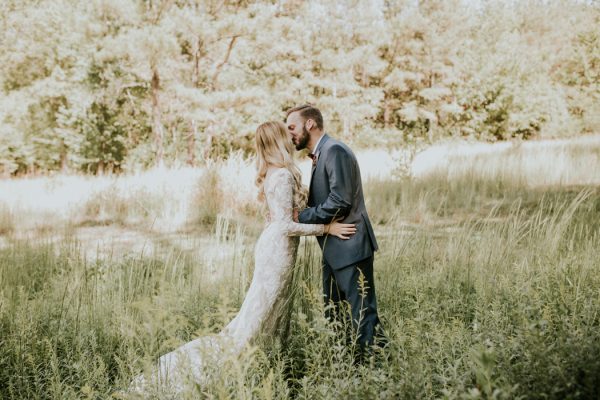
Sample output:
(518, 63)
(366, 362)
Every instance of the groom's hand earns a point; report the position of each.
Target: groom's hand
(296, 215)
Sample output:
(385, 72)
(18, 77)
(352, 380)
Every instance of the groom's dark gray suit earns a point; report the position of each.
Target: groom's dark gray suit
(336, 192)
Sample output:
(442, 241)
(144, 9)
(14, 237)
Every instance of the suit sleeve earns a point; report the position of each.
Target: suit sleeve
(340, 170)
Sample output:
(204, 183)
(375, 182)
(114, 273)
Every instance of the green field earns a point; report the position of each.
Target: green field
(486, 290)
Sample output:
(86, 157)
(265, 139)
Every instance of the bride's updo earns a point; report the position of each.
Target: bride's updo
(274, 147)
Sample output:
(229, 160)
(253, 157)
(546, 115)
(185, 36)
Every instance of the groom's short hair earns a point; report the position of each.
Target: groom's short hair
(308, 111)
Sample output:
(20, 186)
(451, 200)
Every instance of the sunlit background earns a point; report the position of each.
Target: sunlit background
(129, 213)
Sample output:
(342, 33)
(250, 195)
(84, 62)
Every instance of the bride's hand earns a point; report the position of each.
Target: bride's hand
(343, 231)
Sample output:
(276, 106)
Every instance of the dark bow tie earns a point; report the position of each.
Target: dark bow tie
(313, 157)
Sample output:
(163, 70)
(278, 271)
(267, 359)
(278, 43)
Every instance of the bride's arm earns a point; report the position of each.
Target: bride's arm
(281, 202)
(282, 210)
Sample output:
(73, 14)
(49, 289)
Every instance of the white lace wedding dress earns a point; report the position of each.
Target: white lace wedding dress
(263, 312)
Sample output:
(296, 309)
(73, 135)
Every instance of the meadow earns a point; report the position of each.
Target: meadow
(488, 287)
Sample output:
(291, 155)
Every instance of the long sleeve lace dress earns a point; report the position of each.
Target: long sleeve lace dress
(263, 312)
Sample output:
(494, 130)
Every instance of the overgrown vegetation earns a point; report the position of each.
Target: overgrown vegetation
(7, 223)
(486, 291)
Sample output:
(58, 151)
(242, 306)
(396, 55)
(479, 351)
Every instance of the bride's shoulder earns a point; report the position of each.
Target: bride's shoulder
(280, 172)
(278, 177)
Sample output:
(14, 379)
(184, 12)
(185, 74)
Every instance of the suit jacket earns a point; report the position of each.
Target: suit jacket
(336, 191)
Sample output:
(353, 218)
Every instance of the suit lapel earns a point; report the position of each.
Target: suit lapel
(321, 143)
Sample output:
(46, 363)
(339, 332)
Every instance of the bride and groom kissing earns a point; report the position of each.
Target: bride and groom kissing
(332, 209)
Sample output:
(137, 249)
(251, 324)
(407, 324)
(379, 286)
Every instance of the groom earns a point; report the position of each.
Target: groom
(336, 193)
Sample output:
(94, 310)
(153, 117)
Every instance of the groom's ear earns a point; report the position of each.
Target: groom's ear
(309, 124)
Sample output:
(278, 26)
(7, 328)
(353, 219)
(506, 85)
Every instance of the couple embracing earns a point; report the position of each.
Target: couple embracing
(333, 210)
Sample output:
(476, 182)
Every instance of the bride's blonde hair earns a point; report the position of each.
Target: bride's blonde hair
(274, 147)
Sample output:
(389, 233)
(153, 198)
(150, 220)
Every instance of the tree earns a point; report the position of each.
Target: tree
(42, 66)
(137, 83)
(421, 56)
(578, 69)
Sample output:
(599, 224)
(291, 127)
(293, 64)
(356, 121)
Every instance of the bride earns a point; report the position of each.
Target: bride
(262, 314)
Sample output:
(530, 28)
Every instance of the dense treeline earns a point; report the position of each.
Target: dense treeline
(110, 85)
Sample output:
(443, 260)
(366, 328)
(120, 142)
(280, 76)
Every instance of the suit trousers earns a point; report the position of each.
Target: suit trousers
(355, 285)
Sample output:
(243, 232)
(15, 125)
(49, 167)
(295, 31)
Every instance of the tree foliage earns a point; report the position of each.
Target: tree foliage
(111, 85)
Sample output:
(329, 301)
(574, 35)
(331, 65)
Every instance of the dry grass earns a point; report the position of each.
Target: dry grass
(492, 295)
(7, 223)
(158, 200)
(533, 163)
(487, 289)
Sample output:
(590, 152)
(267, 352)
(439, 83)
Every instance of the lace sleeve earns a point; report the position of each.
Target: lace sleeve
(280, 200)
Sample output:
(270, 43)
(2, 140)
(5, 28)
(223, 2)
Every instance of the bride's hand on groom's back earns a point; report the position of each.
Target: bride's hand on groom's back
(342, 231)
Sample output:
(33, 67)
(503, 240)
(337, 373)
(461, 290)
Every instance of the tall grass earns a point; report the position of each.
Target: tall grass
(486, 290)
(7, 223)
(70, 327)
(529, 163)
(186, 199)
(158, 200)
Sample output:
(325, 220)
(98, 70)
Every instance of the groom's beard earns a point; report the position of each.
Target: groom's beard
(303, 140)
